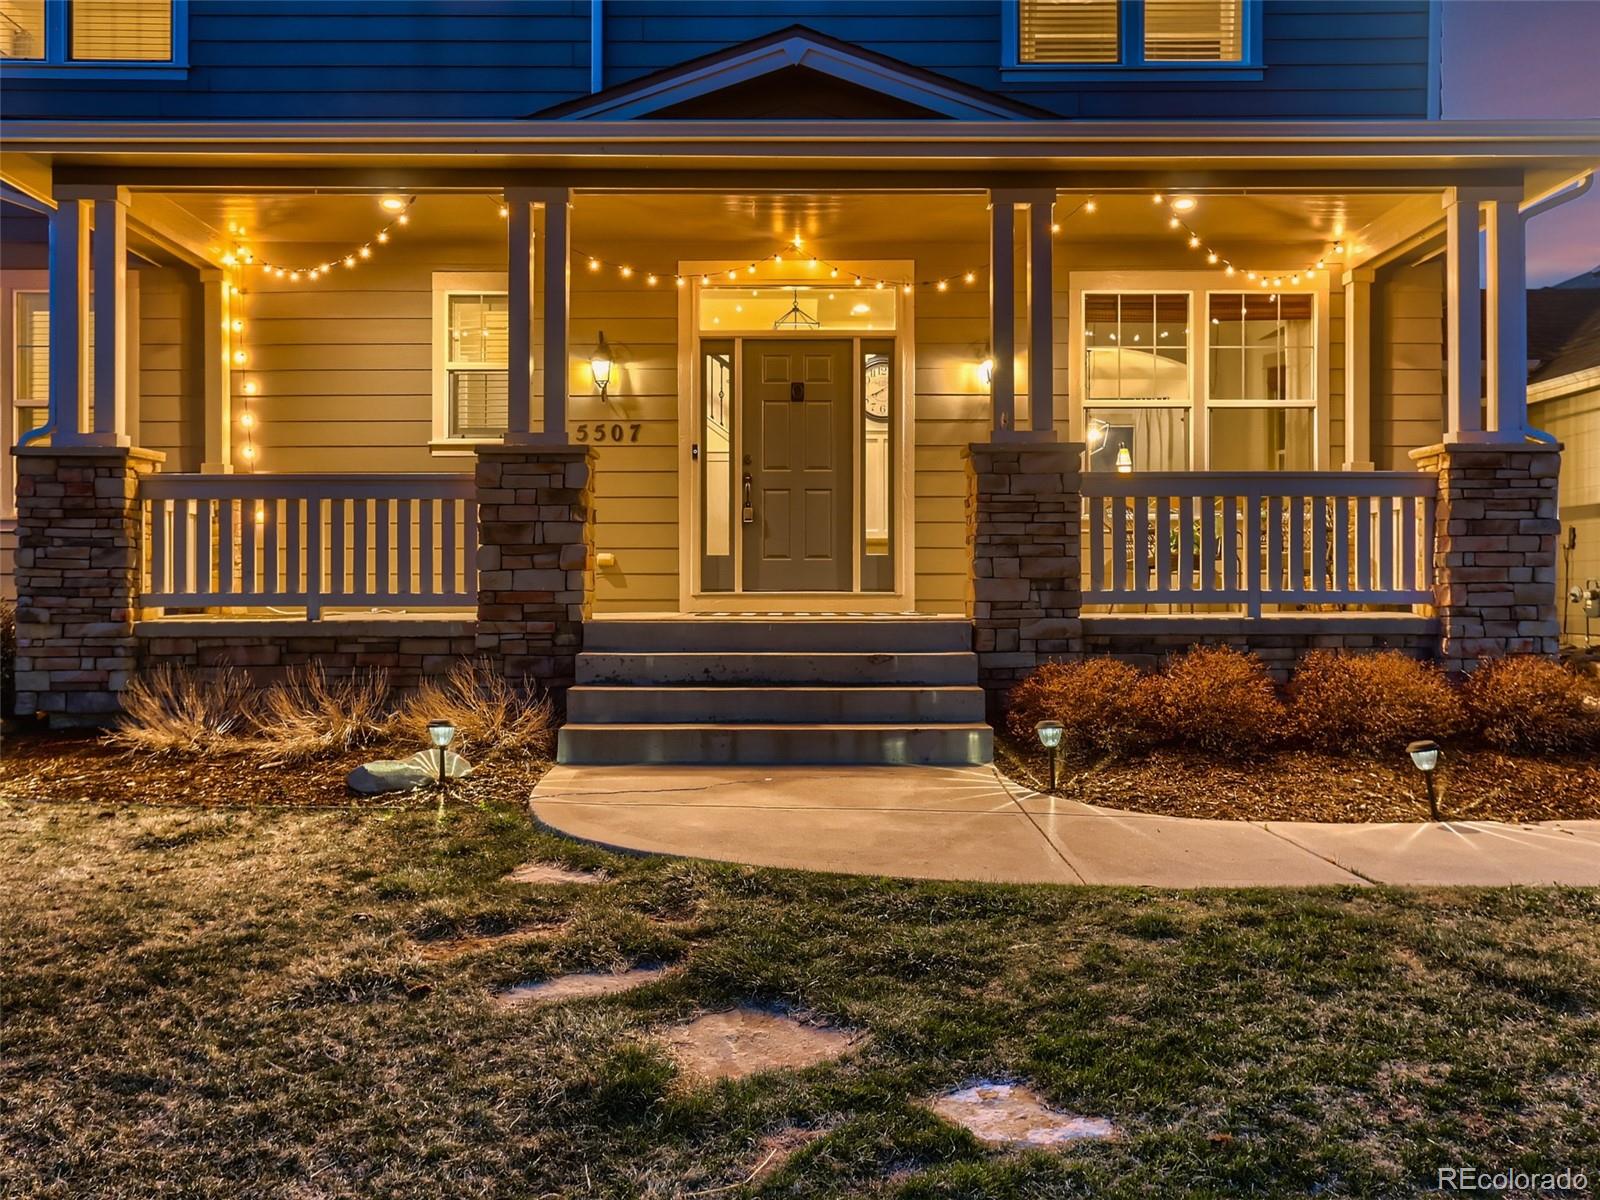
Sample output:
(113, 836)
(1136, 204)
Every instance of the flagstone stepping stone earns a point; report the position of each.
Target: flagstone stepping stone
(576, 987)
(543, 872)
(745, 1041)
(1009, 1114)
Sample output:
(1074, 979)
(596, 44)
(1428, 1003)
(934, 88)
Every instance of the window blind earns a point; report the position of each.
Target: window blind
(1193, 30)
(32, 383)
(1073, 31)
(122, 30)
(479, 338)
(21, 29)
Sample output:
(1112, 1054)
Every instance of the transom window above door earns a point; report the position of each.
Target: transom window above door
(797, 309)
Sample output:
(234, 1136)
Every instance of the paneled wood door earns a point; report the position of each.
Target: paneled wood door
(796, 494)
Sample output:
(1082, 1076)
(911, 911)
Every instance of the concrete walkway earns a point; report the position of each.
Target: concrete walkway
(972, 823)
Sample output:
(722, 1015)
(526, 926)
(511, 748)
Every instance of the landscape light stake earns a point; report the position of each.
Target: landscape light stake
(1050, 738)
(440, 733)
(1425, 757)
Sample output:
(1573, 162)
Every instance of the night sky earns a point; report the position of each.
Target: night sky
(1531, 58)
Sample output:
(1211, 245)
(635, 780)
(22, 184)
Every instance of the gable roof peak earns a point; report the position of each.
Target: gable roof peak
(795, 53)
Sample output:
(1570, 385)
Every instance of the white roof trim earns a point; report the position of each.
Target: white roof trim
(1564, 385)
(795, 51)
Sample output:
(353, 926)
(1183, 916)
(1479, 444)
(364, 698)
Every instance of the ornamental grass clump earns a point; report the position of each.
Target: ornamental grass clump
(1533, 705)
(307, 714)
(173, 711)
(1219, 701)
(491, 715)
(1102, 704)
(1370, 703)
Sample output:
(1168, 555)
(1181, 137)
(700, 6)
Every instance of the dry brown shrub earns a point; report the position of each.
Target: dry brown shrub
(306, 714)
(170, 710)
(1103, 704)
(1532, 705)
(1218, 700)
(492, 716)
(1371, 703)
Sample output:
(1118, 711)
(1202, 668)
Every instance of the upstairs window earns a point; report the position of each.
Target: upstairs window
(121, 30)
(61, 36)
(1132, 33)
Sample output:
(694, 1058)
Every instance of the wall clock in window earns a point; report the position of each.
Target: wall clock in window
(877, 389)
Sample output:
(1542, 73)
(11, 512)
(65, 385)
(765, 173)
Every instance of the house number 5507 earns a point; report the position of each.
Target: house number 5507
(600, 431)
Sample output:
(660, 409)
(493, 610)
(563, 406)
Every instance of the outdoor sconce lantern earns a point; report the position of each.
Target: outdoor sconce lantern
(1124, 461)
(1425, 757)
(1050, 738)
(441, 733)
(986, 372)
(600, 364)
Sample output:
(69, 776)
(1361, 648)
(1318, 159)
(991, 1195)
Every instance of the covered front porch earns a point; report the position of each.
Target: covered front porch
(1104, 411)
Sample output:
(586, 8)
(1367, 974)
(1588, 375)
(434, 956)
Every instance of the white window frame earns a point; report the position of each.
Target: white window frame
(1131, 61)
(1201, 285)
(58, 62)
(445, 285)
(1318, 354)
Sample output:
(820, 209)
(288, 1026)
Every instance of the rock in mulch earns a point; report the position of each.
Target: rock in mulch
(405, 774)
(1009, 1114)
(744, 1041)
(543, 872)
(574, 987)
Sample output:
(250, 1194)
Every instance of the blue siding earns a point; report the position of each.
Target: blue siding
(394, 59)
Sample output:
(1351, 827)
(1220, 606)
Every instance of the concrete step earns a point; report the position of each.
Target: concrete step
(939, 668)
(869, 745)
(802, 635)
(780, 705)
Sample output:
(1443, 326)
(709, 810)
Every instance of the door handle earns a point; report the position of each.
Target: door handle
(749, 509)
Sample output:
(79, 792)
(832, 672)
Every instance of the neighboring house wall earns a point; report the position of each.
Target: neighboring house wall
(1408, 363)
(1574, 419)
(483, 58)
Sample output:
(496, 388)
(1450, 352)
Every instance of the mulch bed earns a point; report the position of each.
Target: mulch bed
(1475, 784)
(41, 768)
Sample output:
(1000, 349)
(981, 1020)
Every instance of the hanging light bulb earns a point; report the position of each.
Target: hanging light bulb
(970, 276)
(247, 421)
(944, 285)
(250, 387)
(365, 252)
(249, 451)
(879, 285)
(650, 279)
(732, 274)
(383, 235)
(505, 210)
(403, 219)
(678, 279)
(1156, 199)
(237, 326)
(1054, 227)
(1228, 270)
(751, 269)
(626, 272)
(349, 260)
(834, 273)
(906, 288)
(1173, 222)
(1194, 242)
(704, 280)
(1212, 258)
(1089, 205)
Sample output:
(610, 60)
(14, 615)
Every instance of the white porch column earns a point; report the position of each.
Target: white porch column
(216, 379)
(70, 366)
(110, 250)
(519, 315)
(1002, 315)
(1463, 334)
(1358, 369)
(1507, 343)
(1041, 323)
(553, 281)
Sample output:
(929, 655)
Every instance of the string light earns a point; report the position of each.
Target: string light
(1214, 257)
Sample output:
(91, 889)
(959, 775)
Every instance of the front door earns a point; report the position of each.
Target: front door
(795, 486)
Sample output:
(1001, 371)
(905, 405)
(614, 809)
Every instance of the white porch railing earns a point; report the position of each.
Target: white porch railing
(1247, 538)
(313, 540)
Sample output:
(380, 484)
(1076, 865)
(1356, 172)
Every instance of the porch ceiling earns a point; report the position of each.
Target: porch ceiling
(855, 221)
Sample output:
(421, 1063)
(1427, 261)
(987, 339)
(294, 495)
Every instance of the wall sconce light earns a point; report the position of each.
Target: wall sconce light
(1124, 461)
(986, 372)
(600, 364)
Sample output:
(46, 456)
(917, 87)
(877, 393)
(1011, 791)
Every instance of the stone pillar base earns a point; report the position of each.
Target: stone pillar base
(1022, 522)
(77, 571)
(535, 559)
(1494, 557)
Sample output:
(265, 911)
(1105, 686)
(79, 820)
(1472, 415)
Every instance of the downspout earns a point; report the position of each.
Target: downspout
(1538, 207)
(597, 45)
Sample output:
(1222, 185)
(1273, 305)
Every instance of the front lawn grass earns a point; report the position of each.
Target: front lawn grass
(236, 1002)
